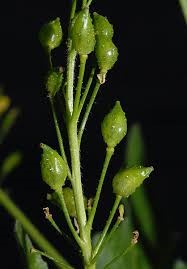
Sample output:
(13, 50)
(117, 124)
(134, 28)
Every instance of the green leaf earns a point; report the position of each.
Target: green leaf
(32, 260)
(7, 122)
(183, 4)
(180, 265)
(10, 163)
(135, 155)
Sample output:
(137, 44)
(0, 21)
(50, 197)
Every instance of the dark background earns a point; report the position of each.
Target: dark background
(150, 81)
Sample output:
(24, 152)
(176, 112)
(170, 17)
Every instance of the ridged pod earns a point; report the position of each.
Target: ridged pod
(54, 81)
(114, 126)
(53, 168)
(82, 33)
(50, 34)
(102, 26)
(127, 180)
(106, 54)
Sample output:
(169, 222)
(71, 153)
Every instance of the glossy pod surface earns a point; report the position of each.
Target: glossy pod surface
(102, 26)
(127, 180)
(53, 168)
(54, 81)
(114, 126)
(106, 54)
(50, 35)
(82, 33)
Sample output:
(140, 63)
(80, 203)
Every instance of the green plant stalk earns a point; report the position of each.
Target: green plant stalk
(34, 233)
(105, 230)
(59, 136)
(88, 109)
(78, 192)
(68, 219)
(89, 3)
(83, 3)
(70, 79)
(109, 153)
(83, 59)
(82, 101)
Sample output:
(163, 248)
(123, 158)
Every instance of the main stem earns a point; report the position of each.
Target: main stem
(78, 191)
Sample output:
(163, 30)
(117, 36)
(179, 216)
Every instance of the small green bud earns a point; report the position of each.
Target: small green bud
(53, 168)
(106, 54)
(54, 81)
(50, 35)
(127, 180)
(102, 26)
(114, 126)
(82, 33)
(68, 198)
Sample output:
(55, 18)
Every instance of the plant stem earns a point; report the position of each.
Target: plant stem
(68, 219)
(86, 91)
(70, 79)
(89, 3)
(59, 136)
(109, 153)
(105, 230)
(88, 109)
(83, 3)
(83, 59)
(34, 233)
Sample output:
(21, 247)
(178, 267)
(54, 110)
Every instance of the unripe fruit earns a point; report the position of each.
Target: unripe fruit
(106, 54)
(114, 126)
(82, 33)
(50, 35)
(54, 81)
(127, 180)
(53, 168)
(102, 26)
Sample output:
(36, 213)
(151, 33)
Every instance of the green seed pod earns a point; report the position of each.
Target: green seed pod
(54, 81)
(82, 33)
(68, 198)
(127, 180)
(53, 168)
(106, 54)
(102, 26)
(50, 35)
(114, 126)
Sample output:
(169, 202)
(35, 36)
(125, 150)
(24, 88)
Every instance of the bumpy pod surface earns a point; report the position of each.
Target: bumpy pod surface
(114, 126)
(69, 200)
(50, 34)
(54, 81)
(82, 33)
(53, 168)
(102, 26)
(127, 180)
(106, 53)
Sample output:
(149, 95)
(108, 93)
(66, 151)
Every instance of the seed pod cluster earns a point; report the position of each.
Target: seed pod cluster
(127, 180)
(106, 51)
(53, 168)
(114, 126)
(82, 33)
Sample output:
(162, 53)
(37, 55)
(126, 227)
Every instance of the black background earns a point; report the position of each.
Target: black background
(150, 81)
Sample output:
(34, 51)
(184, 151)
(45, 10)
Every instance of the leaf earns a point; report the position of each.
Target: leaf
(7, 122)
(32, 260)
(10, 163)
(180, 265)
(183, 4)
(135, 155)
